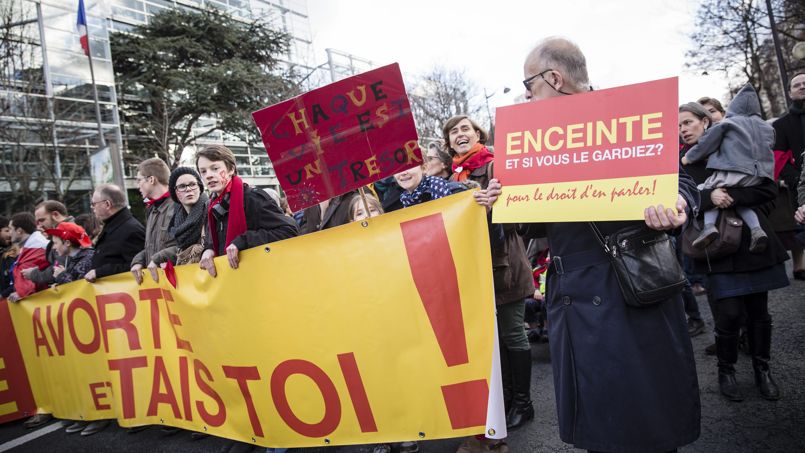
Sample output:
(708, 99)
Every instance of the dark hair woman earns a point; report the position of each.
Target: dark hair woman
(739, 283)
(189, 220)
(472, 161)
(239, 217)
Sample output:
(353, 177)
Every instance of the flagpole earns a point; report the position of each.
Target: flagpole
(117, 166)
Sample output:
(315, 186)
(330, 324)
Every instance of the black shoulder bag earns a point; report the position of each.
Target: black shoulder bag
(645, 263)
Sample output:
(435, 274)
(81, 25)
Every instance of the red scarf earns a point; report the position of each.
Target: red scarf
(236, 217)
(149, 202)
(478, 156)
(781, 158)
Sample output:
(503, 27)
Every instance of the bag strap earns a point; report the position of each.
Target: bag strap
(599, 237)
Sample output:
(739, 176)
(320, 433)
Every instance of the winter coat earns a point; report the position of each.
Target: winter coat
(157, 237)
(265, 222)
(696, 170)
(8, 256)
(790, 136)
(790, 132)
(76, 266)
(801, 199)
(741, 142)
(121, 238)
(511, 270)
(337, 213)
(624, 377)
(32, 255)
(758, 198)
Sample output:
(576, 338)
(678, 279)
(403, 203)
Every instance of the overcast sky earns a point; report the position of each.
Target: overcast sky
(625, 41)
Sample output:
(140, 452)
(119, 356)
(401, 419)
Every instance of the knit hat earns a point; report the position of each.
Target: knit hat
(176, 173)
(69, 231)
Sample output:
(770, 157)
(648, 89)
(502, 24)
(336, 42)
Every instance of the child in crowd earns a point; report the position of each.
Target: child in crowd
(71, 241)
(357, 211)
(739, 150)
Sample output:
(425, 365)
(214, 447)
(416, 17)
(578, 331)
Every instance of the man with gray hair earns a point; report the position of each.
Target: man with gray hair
(624, 377)
(122, 236)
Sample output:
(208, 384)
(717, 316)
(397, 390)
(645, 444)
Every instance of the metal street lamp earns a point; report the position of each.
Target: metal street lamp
(489, 112)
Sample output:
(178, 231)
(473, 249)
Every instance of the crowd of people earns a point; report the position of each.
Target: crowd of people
(624, 377)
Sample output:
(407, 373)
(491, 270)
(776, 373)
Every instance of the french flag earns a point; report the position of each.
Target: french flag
(81, 26)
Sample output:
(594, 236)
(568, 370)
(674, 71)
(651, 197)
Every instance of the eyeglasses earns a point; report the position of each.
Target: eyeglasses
(186, 187)
(93, 203)
(530, 81)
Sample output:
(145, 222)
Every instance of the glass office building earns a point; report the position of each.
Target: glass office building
(48, 124)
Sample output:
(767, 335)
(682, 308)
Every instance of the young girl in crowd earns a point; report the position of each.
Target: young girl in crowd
(739, 150)
(419, 188)
(72, 242)
(357, 211)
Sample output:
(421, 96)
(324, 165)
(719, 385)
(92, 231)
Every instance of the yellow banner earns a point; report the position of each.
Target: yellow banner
(375, 331)
(609, 199)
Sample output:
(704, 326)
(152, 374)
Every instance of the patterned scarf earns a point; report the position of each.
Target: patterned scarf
(478, 156)
(186, 226)
(430, 188)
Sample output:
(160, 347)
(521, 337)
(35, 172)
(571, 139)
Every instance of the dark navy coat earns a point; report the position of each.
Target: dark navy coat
(625, 378)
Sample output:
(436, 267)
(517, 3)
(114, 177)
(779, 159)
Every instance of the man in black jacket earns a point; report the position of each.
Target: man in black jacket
(122, 236)
(790, 136)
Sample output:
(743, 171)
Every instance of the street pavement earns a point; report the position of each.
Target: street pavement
(754, 425)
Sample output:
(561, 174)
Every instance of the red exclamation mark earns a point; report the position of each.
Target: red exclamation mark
(434, 273)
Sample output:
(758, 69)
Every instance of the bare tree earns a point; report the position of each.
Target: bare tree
(734, 37)
(28, 130)
(441, 93)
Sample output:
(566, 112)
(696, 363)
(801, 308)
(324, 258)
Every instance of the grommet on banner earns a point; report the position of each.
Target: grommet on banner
(254, 440)
(267, 249)
(364, 224)
(491, 432)
(421, 435)
(326, 441)
(205, 428)
(162, 421)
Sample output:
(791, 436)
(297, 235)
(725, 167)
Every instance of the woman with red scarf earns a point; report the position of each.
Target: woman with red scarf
(239, 217)
(472, 160)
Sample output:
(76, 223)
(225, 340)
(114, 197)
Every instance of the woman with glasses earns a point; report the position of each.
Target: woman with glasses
(189, 219)
(438, 162)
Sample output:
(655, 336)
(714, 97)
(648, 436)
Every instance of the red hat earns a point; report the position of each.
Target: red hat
(69, 231)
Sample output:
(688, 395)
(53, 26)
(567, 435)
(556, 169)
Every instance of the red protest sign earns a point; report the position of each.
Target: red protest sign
(601, 155)
(337, 138)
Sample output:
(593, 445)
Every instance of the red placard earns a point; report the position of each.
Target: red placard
(337, 138)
